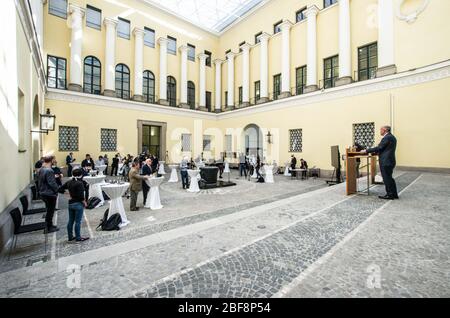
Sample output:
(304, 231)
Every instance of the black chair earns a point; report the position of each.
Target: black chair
(21, 229)
(24, 201)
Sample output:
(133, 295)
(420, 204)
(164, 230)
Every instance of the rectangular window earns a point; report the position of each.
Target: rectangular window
(149, 37)
(123, 29)
(276, 27)
(300, 15)
(228, 143)
(56, 72)
(240, 95)
(300, 80)
(241, 44)
(172, 45)
(58, 8)
(93, 17)
(227, 51)
(108, 139)
(364, 134)
(276, 86)
(191, 52)
(367, 62)
(206, 143)
(257, 91)
(68, 138)
(295, 140)
(331, 71)
(185, 142)
(327, 3)
(208, 59)
(258, 37)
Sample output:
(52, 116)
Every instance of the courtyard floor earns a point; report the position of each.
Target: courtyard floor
(288, 239)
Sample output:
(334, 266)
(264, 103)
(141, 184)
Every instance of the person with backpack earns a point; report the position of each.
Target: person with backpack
(78, 192)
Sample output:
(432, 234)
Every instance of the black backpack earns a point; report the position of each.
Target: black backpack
(260, 180)
(111, 224)
(92, 203)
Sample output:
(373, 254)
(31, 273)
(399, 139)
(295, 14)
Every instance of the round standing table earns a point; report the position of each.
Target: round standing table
(94, 188)
(287, 172)
(154, 202)
(100, 169)
(161, 170)
(193, 186)
(115, 192)
(75, 165)
(269, 173)
(173, 174)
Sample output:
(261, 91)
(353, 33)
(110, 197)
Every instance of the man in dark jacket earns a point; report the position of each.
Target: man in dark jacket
(48, 189)
(146, 171)
(386, 151)
(115, 165)
(88, 161)
(69, 161)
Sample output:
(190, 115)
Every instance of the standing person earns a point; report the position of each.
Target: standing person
(88, 160)
(48, 189)
(37, 167)
(69, 160)
(242, 165)
(115, 165)
(135, 185)
(155, 163)
(258, 166)
(386, 151)
(146, 171)
(106, 161)
(100, 161)
(293, 165)
(304, 166)
(78, 189)
(184, 173)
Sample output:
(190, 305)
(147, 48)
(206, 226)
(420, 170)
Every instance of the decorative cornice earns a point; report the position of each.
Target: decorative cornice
(202, 56)
(183, 48)
(110, 22)
(76, 9)
(312, 10)
(218, 62)
(264, 36)
(230, 55)
(138, 32)
(245, 46)
(286, 24)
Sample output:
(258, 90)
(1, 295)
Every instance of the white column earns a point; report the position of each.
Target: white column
(76, 48)
(230, 79)
(245, 74)
(138, 63)
(311, 45)
(183, 82)
(264, 68)
(345, 51)
(110, 57)
(218, 90)
(163, 71)
(285, 59)
(202, 57)
(386, 58)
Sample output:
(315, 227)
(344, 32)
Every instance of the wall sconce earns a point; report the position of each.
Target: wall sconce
(269, 138)
(46, 123)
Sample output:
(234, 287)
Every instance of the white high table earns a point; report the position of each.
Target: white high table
(193, 186)
(115, 192)
(100, 169)
(95, 189)
(75, 165)
(154, 202)
(269, 173)
(173, 174)
(161, 170)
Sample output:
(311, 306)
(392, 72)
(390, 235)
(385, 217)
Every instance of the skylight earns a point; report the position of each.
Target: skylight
(212, 15)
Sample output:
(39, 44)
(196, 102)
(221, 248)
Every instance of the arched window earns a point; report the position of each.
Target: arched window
(149, 87)
(122, 81)
(191, 94)
(171, 91)
(92, 75)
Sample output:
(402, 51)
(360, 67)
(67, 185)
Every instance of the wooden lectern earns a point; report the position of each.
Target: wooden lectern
(352, 173)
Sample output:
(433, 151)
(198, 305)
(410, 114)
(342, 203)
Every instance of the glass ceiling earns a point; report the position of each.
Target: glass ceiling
(213, 15)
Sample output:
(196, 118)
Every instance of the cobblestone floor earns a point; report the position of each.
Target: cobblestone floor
(290, 239)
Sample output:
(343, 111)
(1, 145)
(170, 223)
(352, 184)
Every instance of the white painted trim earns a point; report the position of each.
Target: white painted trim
(423, 75)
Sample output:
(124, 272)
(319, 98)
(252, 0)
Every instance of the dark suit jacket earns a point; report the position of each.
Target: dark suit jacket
(85, 162)
(146, 171)
(386, 150)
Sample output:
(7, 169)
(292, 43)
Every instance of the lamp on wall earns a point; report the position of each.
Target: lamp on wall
(269, 138)
(46, 123)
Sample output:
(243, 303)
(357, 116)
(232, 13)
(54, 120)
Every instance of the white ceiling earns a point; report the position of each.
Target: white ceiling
(212, 15)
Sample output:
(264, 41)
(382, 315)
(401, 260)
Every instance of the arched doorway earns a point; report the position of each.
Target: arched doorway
(35, 142)
(252, 140)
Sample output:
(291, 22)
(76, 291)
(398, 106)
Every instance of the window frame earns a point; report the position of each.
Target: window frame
(368, 68)
(291, 150)
(57, 13)
(276, 79)
(209, 58)
(57, 71)
(122, 90)
(172, 95)
(333, 68)
(99, 77)
(328, 3)
(169, 51)
(191, 94)
(123, 35)
(300, 89)
(90, 24)
(257, 37)
(257, 95)
(276, 25)
(240, 98)
(147, 92)
(302, 12)
(191, 48)
(240, 45)
(148, 44)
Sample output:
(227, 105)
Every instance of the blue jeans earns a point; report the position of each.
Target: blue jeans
(184, 178)
(242, 168)
(75, 215)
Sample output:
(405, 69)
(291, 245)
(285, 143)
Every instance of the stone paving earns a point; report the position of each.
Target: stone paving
(290, 239)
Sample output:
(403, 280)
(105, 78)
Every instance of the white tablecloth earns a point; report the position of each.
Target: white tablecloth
(95, 189)
(161, 168)
(115, 192)
(254, 175)
(173, 174)
(154, 202)
(193, 186)
(227, 167)
(287, 172)
(75, 165)
(269, 173)
(100, 169)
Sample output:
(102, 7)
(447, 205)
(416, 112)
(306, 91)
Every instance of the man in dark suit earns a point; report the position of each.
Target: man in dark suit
(146, 171)
(69, 160)
(293, 165)
(88, 161)
(386, 152)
